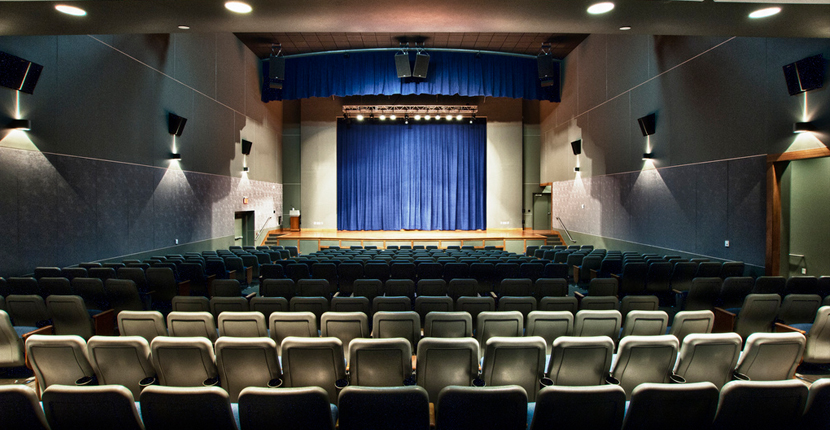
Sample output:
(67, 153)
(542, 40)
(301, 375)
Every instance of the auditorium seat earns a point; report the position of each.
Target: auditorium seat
(708, 269)
(247, 362)
(643, 359)
(432, 287)
(313, 288)
(282, 287)
(92, 291)
(462, 287)
(273, 271)
(313, 362)
(55, 285)
(134, 274)
(501, 324)
(268, 305)
(599, 303)
(519, 287)
(369, 288)
(192, 324)
(578, 361)
(771, 356)
(345, 326)
(734, 290)
(296, 324)
(549, 325)
(102, 273)
(20, 409)
(147, 324)
(690, 406)
(92, 408)
(476, 408)
(11, 344)
(59, 360)
(190, 304)
(681, 276)
(598, 323)
(162, 281)
(384, 408)
(568, 304)
(122, 360)
(391, 304)
(73, 272)
(761, 405)
(801, 285)
(228, 304)
(122, 294)
(176, 408)
(817, 408)
(708, 357)
(703, 294)
(591, 407)
(448, 324)
(242, 324)
(427, 304)
(22, 286)
(514, 361)
(687, 322)
(226, 288)
(770, 285)
(184, 361)
(798, 309)
(315, 305)
(292, 408)
(380, 362)
(644, 323)
(445, 362)
(757, 314)
(350, 304)
(817, 349)
(70, 316)
(405, 325)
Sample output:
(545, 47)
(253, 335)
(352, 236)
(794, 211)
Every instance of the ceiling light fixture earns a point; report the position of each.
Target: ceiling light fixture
(625, 28)
(576, 169)
(766, 12)
(175, 156)
(427, 117)
(70, 10)
(238, 7)
(599, 8)
(184, 27)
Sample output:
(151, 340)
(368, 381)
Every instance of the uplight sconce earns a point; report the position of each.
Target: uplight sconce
(246, 169)
(576, 169)
(648, 155)
(803, 127)
(20, 124)
(175, 156)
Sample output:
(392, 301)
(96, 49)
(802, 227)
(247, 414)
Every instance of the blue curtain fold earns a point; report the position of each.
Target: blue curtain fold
(373, 73)
(418, 177)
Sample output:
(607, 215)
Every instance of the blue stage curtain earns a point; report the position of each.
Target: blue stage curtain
(373, 73)
(425, 176)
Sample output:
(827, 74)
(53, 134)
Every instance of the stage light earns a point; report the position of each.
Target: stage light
(382, 117)
(599, 8)
(184, 27)
(70, 10)
(427, 117)
(803, 127)
(458, 117)
(393, 117)
(472, 118)
(406, 119)
(359, 117)
(417, 117)
(625, 28)
(764, 13)
(238, 7)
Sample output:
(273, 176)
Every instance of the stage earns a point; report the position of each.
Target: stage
(512, 240)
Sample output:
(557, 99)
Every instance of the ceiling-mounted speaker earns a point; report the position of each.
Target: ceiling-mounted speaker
(19, 74)
(421, 65)
(544, 64)
(647, 124)
(276, 68)
(175, 124)
(402, 65)
(805, 75)
(576, 146)
(246, 146)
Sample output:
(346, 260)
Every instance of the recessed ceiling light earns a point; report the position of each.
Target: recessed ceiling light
(599, 8)
(763, 13)
(70, 10)
(184, 27)
(238, 7)
(625, 28)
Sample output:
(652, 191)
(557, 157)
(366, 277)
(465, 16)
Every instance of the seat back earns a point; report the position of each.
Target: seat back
(515, 361)
(645, 323)
(475, 305)
(771, 356)
(576, 361)
(183, 361)
(282, 287)
(602, 287)
(92, 291)
(682, 274)
(770, 285)
(246, 362)
(190, 304)
(475, 408)
(799, 308)
(757, 314)
(445, 362)
(22, 286)
(11, 345)
(69, 316)
(58, 359)
(501, 324)
(351, 304)
(550, 287)
(568, 304)
(550, 325)
(638, 303)
(427, 304)
(190, 324)
(449, 324)
(520, 287)
(644, 359)
(405, 325)
(392, 304)
(268, 305)
(380, 362)
(703, 294)
(315, 305)
(122, 294)
(20, 409)
(27, 310)
(687, 322)
(817, 409)
(689, 406)
(317, 362)
(54, 285)
(761, 404)
(93, 407)
(162, 281)
(562, 407)
(432, 287)
(817, 349)
(121, 360)
(599, 303)
(293, 408)
(296, 324)
(345, 326)
(734, 290)
(400, 287)
(709, 357)
(186, 408)
(598, 323)
(384, 408)
(242, 324)
(147, 324)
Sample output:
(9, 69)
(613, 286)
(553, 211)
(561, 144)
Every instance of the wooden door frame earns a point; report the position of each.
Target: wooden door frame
(776, 164)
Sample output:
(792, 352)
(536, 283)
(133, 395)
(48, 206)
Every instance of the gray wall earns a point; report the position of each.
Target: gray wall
(92, 180)
(717, 100)
(805, 205)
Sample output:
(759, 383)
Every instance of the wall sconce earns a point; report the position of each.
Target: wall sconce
(803, 127)
(576, 169)
(246, 169)
(20, 124)
(648, 155)
(175, 156)
(647, 124)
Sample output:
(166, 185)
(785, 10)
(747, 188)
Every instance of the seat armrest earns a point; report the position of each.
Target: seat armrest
(49, 329)
(494, 295)
(209, 284)
(432, 415)
(615, 276)
(231, 274)
(576, 274)
(414, 362)
(249, 274)
(594, 273)
(724, 321)
(184, 288)
(104, 323)
(250, 296)
(784, 328)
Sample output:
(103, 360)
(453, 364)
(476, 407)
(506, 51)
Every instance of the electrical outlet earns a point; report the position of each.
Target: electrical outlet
(803, 270)
(726, 244)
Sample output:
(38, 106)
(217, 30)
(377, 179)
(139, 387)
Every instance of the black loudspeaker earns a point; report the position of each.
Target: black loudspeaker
(19, 74)
(805, 74)
(175, 124)
(576, 146)
(246, 146)
(647, 124)
(545, 65)
(276, 68)
(402, 65)
(421, 66)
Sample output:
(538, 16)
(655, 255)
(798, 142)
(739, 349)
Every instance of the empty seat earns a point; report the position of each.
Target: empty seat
(122, 294)
(313, 362)
(682, 274)
(432, 287)
(475, 305)
(445, 362)
(770, 285)
(427, 304)
(771, 356)
(578, 361)
(645, 323)
(384, 408)
(515, 287)
(59, 360)
(313, 288)
(550, 287)
(92, 291)
(757, 314)
(297, 324)
(190, 324)
(278, 288)
(184, 361)
(462, 287)
(689, 406)
(11, 345)
(20, 409)
(709, 357)
(405, 325)
(644, 359)
(351, 304)
(293, 408)
(246, 362)
(268, 305)
(448, 324)
(391, 304)
(54, 285)
(801, 285)
(559, 407)
(177, 408)
(242, 324)
(817, 409)
(549, 325)
(27, 310)
(687, 322)
(767, 405)
(703, 294)
(501, 324)
(633, 278)
(315, 305)
(94, 408)
(515, 361)
(799, 308)
(568, 304)
(47, 272)
(476, 408)
(122, 360)
(147, 324)
(598, 323)
(345, 326)
(22, 286)
(380, 362)
(400, 287)
(70, 316)
(734, 290)
(599, 303)
(190, 304)
(817, 349)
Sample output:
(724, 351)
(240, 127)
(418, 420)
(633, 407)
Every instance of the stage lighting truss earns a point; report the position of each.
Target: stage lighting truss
(407, 113)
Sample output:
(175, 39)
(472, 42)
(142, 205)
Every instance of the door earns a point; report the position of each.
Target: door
(541, 211)
(243, 229)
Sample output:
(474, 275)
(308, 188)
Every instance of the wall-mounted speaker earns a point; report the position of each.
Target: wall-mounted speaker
(19, 74)
(276, 68)
(246, 146)
(647, 124)
(421, 66)
(576, 146)
(175, 124)
(544, 64)
(805, 75)
(402, 65)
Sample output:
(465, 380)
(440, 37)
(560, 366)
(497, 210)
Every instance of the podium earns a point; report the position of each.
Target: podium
(294, 220)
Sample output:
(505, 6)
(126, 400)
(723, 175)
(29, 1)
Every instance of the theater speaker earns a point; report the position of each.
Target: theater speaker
(576, 146)
(647, 124)
(544, 64)
(276, 68)
(175, 124)
(246, 146)
(421, 66)
(805, 74)
(402, 65)
(19, 74)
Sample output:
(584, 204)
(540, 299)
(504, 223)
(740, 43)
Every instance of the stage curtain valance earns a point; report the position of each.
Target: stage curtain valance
(373, 73)
(416, 177)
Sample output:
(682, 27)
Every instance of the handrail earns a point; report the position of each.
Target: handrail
(256, 238)
(566, 230)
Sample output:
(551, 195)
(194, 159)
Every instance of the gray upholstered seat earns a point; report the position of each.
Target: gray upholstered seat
(55, 285)
(708, 357)
(122, 294)
(246, 362)
(689, 406)
(176, 408)
(190, 304)
(315, 362)
(345, 326)
(70, 316)
(703, 294)
(448, 324)
(550, 325)
(285, 288)
(515, 361)
(599, 303)
(687, 322)
(242, 324)
(293, 408)
(58, 359)
(228, 304)
(645, 323)
(392, 304)
(380, 362)
(26, 310)
(189, 324)
(183, 361)
(475, 305)
(442, 362)
(817, 349)
(298, 324)
(577, 361)
(761, 405)
(817, 409)
(96, 407)
(20, 409)
(384, 408)
(525, 305)
(502, 324)
(397, 324)
(427, 304)
(476, 408)
(592, 407)
(757, 314)
(598, 323)
(315, 305)
(268, 305)
(568, 304)
(11, 345)
(771, 356)
(644, 359)
(799, 308)
(638, 303)
(121, 360)
(147, 324)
